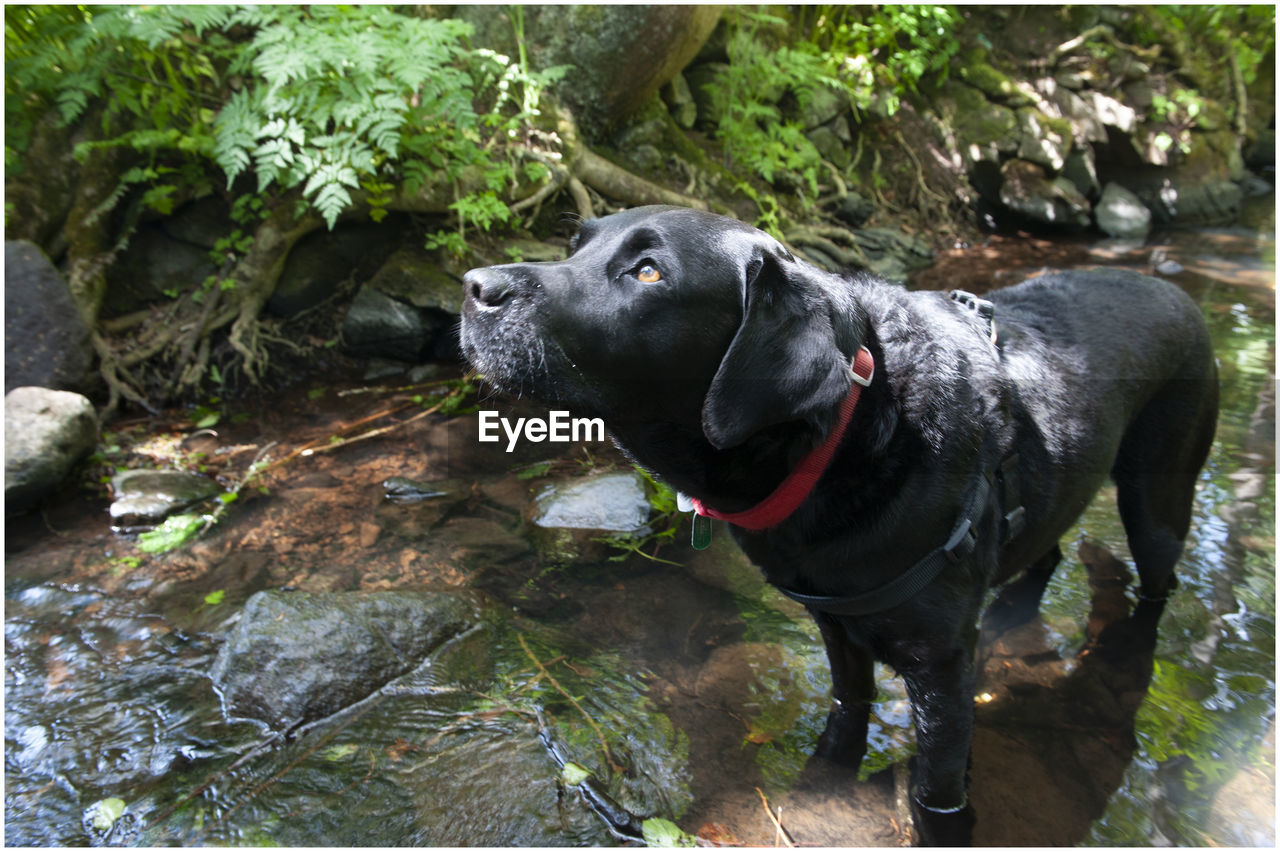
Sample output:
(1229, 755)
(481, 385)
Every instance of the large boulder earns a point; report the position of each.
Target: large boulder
(321, 261)
(46, 433)
(621, 54)
(46, 343)
(155, 267)
(295, 657)
(379, 326)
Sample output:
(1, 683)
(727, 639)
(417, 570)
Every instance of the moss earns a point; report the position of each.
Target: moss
(993, 83)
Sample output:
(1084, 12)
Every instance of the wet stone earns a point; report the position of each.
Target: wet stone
(614, 502)
(147, 497)
(402, 489)
(47, 432)
(295, 657)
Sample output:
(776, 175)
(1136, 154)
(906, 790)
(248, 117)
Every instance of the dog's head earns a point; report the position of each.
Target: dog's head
(667, 314)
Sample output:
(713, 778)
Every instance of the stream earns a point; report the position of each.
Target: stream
(682, 686)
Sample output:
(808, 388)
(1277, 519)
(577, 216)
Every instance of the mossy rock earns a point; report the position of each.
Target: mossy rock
(993, 83)
(979, 121)
(1044, 139)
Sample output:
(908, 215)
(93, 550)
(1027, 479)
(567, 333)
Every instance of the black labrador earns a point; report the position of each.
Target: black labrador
(884, 456)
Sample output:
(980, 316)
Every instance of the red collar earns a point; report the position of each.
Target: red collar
(788, 496)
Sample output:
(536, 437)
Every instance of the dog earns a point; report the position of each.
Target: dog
(884, 456)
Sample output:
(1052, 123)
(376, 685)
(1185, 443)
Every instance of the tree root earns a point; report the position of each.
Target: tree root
(827, 239)
(1104, 32)
(155, 358)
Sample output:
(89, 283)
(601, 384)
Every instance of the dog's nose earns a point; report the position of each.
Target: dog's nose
(487, 286)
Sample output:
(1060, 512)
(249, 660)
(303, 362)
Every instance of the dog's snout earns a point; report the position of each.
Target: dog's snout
(487, 286)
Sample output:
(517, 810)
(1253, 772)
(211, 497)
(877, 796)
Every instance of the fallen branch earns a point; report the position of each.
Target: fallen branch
(781, 833)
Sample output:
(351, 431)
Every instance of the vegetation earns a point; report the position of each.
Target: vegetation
(299, 117)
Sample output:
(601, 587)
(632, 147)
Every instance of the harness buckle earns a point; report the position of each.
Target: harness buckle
(962, 542)
(981, 308)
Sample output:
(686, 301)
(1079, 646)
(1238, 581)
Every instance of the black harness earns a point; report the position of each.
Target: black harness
(999, 482)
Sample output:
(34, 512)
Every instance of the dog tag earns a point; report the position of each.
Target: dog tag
(701, 532)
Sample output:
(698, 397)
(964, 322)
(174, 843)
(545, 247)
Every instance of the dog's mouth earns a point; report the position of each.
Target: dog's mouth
(503, 340)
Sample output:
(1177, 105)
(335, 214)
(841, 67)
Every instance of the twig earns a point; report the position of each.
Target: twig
(604, 745)
(372, 433)
(781, 833)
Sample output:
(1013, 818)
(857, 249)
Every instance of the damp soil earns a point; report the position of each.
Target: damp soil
(682, 684)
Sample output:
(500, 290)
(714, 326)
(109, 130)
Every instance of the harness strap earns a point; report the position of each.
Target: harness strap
(962, 542)
(1015, 516)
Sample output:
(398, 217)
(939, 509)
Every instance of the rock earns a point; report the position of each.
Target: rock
(822, 106)
(418, 277)
(701, 79)
(1086, 126)
(321, 261)
(154, 268)
(614, 502)
(829, 144)
(147, 497)
(1110, 111)
(1255, 187)
(377, 325)
(1081, 168)
(1029, 192)
(992, 83)
(855, 210)
(403, 490)
(984, 130)
(46, 343)
(1212, 202)
(680, 103)
(295, 657)
(1120, 213)
(621, 54)
(202, 222)
(1043, 139)
(46, 433)
(891, 253)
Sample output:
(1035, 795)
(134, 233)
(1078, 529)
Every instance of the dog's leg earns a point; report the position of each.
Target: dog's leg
(853, 686)
(1019, 601)
(940, 683)
(1155, 472)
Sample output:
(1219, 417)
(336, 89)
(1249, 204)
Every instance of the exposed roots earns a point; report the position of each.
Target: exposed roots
(156, 356)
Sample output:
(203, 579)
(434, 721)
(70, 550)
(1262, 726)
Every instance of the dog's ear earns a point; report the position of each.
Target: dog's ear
(783, 363)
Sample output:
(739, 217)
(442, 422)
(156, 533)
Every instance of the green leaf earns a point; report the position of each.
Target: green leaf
(339, 752)
(173, 533)
(103, 814)
(572, 774)
(664, 832)
(215, 598)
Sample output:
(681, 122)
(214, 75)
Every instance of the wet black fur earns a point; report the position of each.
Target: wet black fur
(719, 377)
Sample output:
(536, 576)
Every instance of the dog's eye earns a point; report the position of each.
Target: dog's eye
(647, 273)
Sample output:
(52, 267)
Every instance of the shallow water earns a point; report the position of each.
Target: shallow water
(688, 691)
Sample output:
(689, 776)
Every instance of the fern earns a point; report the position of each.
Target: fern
(318, 100)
